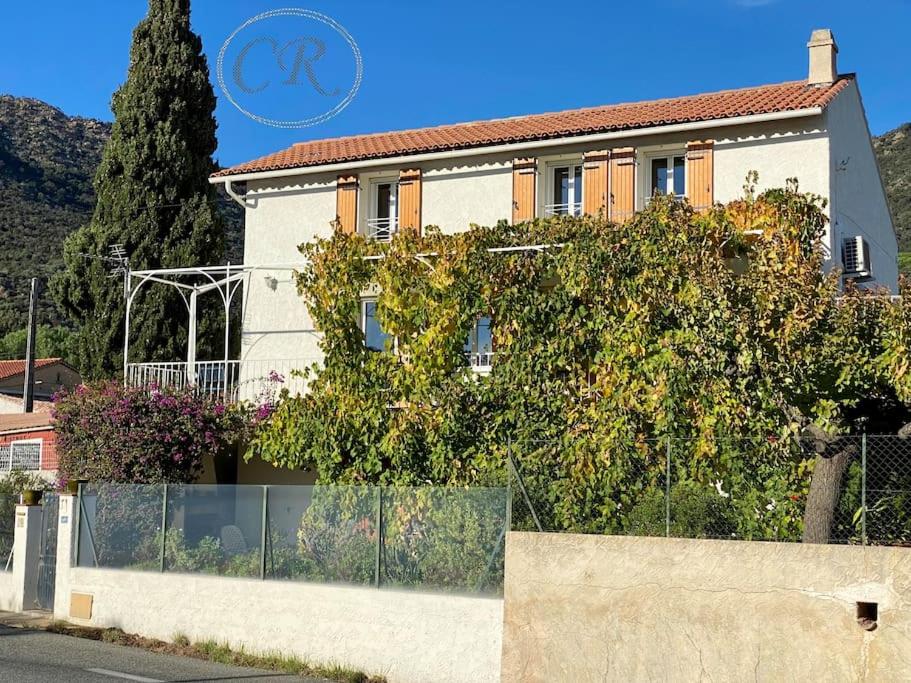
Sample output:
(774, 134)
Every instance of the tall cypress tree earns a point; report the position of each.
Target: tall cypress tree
(153, 197)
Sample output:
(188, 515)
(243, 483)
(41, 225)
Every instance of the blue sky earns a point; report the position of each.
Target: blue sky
(426, 63)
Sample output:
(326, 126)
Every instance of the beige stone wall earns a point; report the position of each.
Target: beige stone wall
(603, 608)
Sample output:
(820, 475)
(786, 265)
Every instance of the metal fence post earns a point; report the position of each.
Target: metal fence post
(262, 537)
(515, 471)
(164, 526)
(863, 488)
(667, 490)
(77, 515)
(379, 536)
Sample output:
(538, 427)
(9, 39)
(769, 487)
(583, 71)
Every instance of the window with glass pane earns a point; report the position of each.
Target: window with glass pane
(381, 223)
(565, 191)
(679, 176)
(479, 345)
(659, 176)
(374, 336)
(668, 176)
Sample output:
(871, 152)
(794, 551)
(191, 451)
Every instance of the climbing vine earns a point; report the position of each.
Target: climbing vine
(720, 331)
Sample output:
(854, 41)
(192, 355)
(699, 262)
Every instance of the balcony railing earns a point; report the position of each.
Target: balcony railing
(570, 209)
(381, 229)
(234, 380)
(480, 361)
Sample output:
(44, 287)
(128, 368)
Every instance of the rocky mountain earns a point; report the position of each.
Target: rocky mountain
(47, 163)
(893, 149)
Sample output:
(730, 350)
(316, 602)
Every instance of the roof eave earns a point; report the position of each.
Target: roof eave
(514, 146)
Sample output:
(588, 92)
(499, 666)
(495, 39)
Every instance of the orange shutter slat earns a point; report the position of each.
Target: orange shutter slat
(523, 190)
(346, 203)
(594, 182)
(409, 200)
(622, 184)
(700, 187)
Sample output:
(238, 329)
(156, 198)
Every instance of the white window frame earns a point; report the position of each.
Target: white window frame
(363, 325)
(480, 361)
(668, 155)
(23, 442)
(374, 227)
(571, 208)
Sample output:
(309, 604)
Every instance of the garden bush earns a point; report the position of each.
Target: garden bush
(107, 432)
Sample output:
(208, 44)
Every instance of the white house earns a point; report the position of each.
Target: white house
(610, 158)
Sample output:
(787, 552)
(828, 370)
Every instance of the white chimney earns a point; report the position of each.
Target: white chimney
(823, 67)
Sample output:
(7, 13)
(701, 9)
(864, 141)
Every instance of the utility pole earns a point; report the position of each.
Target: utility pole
(28, 391)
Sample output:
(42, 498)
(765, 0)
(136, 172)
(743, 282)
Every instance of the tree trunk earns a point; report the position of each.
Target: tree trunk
(825, 488)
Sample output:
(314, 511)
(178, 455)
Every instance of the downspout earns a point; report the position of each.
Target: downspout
(239, 198)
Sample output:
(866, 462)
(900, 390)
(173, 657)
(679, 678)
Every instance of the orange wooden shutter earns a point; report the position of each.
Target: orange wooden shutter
(700, 187)
(523, 190)
(594, 182)
(409, 200)
(622, 184)
(346, 203)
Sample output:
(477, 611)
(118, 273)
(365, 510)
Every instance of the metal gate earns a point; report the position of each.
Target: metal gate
(47, 560)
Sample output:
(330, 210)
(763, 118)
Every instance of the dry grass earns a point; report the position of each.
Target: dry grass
(215, 652)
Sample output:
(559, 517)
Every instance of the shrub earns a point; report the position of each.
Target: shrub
(106, 432)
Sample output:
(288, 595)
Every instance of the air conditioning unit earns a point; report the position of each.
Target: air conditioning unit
(855, 256)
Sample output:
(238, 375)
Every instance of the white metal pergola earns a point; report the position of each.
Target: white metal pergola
(222, 279)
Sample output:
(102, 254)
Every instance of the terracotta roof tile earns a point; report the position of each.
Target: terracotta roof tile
(15, 422)
(11, 368)
(765, 99)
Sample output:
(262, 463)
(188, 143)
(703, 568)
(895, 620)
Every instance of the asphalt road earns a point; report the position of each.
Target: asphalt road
(38, 657)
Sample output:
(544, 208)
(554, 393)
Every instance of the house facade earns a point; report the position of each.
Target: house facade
(28, 443)
(51, 375)
(610, 159)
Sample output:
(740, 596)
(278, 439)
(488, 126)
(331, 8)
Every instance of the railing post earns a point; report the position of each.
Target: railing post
(379, 537)
(164, 526)
(667, 490)
(863, 488)
(263, 536)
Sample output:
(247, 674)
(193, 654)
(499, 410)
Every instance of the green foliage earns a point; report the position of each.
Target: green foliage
(904, 263)
(11, 485)
(109, 433)
(893, 151)
(52, 342)
(697, 512)
(623, 337)
(153, 197)
(47, 160)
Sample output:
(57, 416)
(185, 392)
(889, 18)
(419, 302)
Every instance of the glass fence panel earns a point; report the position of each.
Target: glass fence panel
(322, 533)
(214, 530)
(120, 526)
(444, 539)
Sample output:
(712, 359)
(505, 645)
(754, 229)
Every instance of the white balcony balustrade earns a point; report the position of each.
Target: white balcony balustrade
(480, 361)
(570, 209)
(233, 380)
(381, 229)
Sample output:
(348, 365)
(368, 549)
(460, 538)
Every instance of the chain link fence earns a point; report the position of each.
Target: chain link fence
(748, 489)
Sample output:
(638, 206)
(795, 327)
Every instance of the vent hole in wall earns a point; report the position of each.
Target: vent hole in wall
(867, 615)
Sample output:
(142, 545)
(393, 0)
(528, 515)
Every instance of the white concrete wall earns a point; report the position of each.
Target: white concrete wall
(859, 205)
(408, 637)
(8, 593)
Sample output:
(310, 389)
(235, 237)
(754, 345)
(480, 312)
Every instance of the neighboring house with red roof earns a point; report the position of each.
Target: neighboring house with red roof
(609, 159)
(28, 442)
(51, 375)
